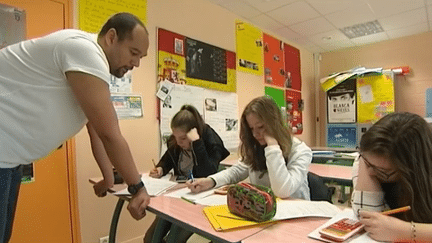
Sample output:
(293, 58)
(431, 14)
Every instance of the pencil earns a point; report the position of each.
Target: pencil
(397, 210)
(229, 217)
(188, 200)
(154, 164)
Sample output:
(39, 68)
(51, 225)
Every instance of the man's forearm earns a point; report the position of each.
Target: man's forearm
(120, 156)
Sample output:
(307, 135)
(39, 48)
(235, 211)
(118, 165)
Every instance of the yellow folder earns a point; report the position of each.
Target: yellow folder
(221, 219)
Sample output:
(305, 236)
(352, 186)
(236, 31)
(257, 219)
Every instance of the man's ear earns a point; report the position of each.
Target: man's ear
(111, 36)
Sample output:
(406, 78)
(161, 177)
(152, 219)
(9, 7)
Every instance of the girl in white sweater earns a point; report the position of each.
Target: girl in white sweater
(269, 154)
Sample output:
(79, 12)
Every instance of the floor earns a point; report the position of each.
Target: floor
(340, 198)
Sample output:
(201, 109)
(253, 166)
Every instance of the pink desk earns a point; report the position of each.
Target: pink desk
(191, 217)
(292, 230)
(187, 215)
(338, 173)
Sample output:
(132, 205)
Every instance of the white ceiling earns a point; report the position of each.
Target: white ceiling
(315, 24)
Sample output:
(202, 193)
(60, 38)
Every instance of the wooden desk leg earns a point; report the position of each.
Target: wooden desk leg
(115, 219)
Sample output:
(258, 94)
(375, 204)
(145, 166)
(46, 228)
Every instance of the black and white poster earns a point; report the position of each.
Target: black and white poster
(341, 103)
(206, 62)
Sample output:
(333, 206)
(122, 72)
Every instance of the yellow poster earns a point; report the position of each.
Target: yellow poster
(94, 13)
(249, 48)
(375, 97)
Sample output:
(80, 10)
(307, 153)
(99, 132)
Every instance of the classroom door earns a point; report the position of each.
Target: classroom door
(47, 210)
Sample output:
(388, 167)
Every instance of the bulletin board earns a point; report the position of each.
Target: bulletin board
(375, 97)
(355, 104)
(282, 79)
(184, 60)
(94, 13)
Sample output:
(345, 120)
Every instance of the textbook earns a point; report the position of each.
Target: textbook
(222, 219)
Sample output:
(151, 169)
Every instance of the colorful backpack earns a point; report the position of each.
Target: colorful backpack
(254, 202)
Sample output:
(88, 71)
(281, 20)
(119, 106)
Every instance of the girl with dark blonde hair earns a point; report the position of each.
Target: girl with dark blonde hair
(269, 154)
(394, 169)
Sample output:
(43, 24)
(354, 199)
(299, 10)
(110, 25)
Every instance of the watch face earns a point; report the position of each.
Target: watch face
(133, 189)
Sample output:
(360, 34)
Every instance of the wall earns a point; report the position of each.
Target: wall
(414, 51)
(198, 19)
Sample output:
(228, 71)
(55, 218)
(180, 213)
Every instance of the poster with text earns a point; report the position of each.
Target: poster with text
(249, 48)
(292, 67)
(342, 135)
(341, 102)
(274, 66)
(375, 97)
(94, 13)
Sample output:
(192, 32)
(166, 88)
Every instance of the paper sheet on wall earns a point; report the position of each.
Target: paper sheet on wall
(121, 85)
(218, 108)
(179, 96)
(375, 97)
(220, 112)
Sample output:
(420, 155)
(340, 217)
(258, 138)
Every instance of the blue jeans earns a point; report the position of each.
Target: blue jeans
(10, 181)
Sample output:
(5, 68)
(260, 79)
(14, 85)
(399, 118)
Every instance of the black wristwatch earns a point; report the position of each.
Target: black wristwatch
(133, 189)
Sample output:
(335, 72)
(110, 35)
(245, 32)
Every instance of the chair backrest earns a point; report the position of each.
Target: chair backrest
(319, 191)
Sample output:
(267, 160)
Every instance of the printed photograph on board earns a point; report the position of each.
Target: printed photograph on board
(341, 103)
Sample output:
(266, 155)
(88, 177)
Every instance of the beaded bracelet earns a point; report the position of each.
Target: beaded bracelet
(413, 232)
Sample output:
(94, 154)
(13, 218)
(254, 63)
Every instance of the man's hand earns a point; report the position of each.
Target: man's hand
(101, 188)
(138, 204)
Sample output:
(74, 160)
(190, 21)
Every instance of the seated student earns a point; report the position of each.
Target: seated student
(270, 155)
(394, 169)
(194, 147)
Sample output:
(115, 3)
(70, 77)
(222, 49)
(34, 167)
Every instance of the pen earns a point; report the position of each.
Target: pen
(191, 176)
(397, 210)
(188, 200)
(154, 164)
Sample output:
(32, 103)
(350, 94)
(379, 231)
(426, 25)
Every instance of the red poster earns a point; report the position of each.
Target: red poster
(292, 67)
(274, 73)
(171, 42)
(294, 108)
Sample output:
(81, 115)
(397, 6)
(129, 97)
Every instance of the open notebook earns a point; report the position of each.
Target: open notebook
(154, 186)
(221, 219)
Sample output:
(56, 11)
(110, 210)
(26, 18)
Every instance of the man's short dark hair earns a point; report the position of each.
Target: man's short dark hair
(123, 23)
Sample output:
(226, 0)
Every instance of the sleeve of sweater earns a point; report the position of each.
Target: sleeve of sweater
(368, 200)
(165, 162)
(286, 178)
(206, 164)
(236, 173)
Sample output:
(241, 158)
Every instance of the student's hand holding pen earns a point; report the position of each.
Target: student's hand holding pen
(156, 172)
(201, 184)
(382, 227)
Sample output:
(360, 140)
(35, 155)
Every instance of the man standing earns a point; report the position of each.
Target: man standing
(50, 87)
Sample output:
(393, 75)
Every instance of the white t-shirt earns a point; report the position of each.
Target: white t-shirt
(38, 110)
